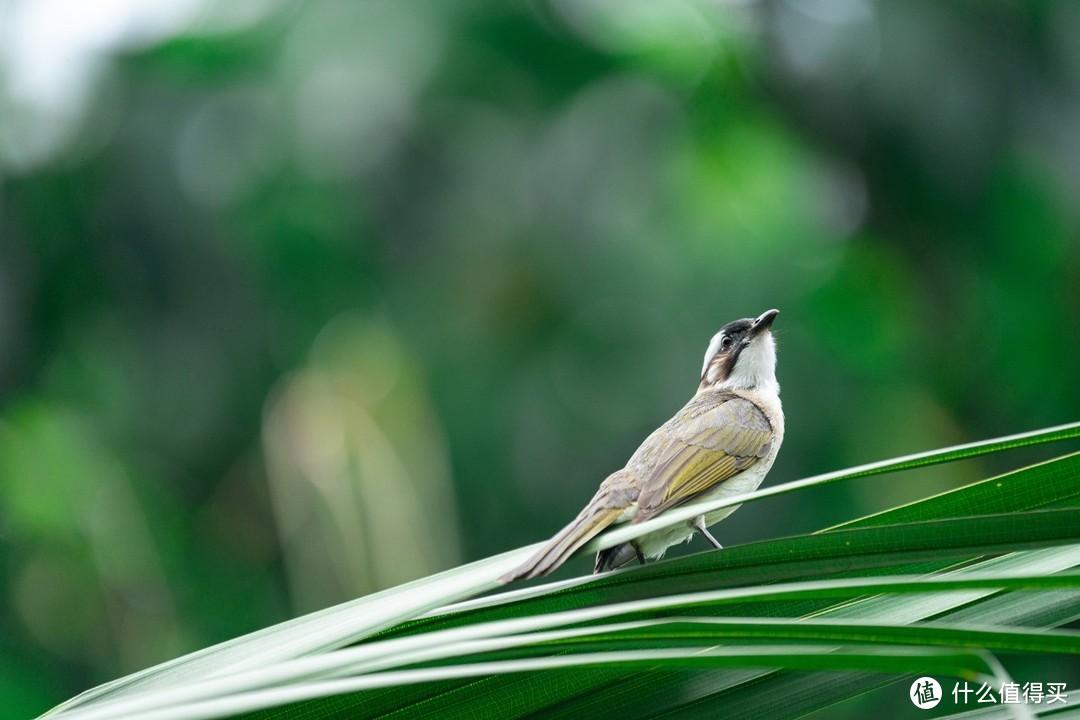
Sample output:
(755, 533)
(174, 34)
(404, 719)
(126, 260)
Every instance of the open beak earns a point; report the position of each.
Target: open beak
(763, 323)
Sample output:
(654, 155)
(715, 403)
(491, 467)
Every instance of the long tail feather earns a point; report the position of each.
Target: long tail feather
(568, 540)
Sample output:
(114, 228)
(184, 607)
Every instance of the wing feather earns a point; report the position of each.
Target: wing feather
(706, 449)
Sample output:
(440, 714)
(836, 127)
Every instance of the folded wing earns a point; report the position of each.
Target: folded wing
(709, 448)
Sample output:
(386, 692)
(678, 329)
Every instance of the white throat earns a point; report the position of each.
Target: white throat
(756, 367)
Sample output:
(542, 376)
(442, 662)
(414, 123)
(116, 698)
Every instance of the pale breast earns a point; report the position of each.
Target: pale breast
(763, 412)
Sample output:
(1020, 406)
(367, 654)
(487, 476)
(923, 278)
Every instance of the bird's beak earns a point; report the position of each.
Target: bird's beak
(763, 323)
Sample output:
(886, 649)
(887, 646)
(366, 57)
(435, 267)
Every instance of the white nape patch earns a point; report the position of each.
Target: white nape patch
(756, 367)
(710, 353)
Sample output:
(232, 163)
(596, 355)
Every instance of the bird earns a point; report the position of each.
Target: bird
(722, 443)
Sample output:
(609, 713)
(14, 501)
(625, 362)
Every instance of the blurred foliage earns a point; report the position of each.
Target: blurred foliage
(299, 300)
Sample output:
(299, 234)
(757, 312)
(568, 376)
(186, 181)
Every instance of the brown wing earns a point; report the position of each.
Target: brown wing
(704, 451)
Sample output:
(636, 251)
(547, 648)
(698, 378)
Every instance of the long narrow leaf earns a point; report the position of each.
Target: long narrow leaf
(841, 551)
(808, 693)
(970, 665)
(343, 624)
(391, 653)
(323, 630)
(714, 691)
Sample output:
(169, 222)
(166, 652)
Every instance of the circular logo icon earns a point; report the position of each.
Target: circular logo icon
(925, 693)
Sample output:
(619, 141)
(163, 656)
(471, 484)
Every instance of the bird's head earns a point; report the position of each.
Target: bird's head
(742, 355)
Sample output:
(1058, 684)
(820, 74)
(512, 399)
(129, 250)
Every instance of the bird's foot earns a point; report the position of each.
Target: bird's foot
(699, 525)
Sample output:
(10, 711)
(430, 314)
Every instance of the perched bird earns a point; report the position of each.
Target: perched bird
(721, 444)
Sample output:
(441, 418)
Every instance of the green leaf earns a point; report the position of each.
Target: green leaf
(811, 692)
(970, 665)
(377, 658)
(1052, 483)
(859, 546)
(316, 632)
(699, 631)
(1055, 481)
(980, 520)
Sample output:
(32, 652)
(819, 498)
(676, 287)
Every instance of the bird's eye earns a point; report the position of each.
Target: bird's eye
(725, 343)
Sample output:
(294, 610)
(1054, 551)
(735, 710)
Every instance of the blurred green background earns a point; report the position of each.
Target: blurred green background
(303, 300)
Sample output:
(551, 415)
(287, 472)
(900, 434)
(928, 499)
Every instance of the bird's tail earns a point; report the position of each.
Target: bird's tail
(595, 517)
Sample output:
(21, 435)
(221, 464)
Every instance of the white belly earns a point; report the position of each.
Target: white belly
(654, 545)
